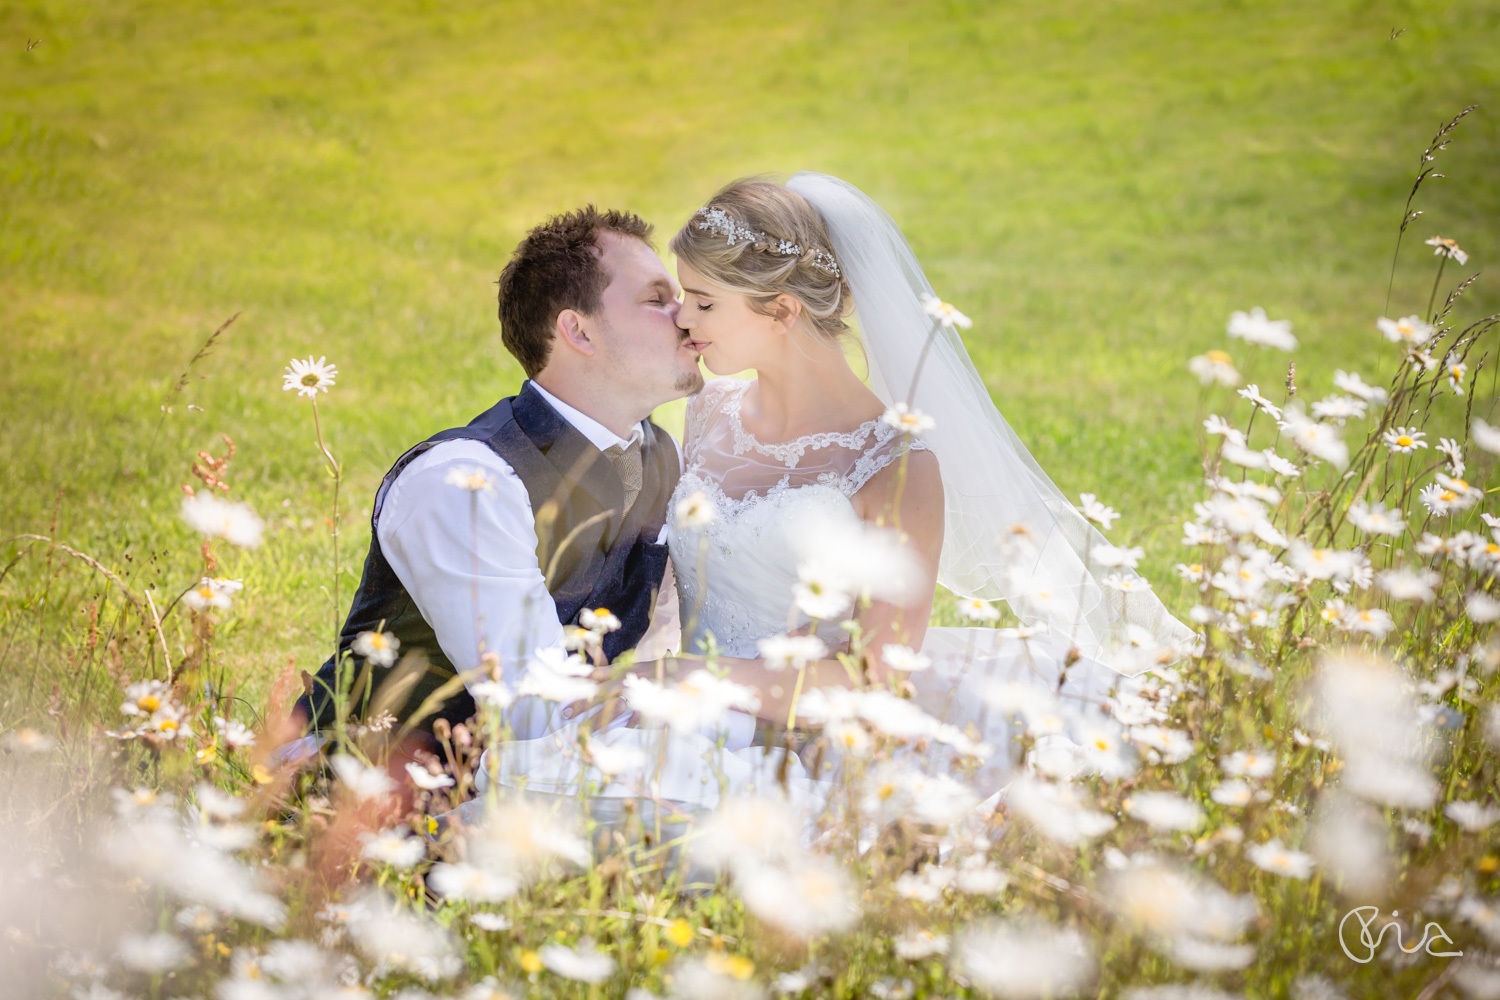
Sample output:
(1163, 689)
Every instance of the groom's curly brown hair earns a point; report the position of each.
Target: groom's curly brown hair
(557, 267)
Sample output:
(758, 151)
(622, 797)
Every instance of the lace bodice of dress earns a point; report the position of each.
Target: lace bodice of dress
(735, 576)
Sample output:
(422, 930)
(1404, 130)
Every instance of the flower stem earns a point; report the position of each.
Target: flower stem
(791, 718)
(1442, 261)
(333, 465)
(916, 375)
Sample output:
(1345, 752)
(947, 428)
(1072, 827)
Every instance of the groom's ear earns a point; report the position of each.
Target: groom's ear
(572, 332)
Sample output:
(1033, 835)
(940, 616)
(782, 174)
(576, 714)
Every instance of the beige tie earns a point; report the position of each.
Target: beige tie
(627, 462)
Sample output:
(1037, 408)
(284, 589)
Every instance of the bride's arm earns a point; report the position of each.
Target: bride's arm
(909, 499)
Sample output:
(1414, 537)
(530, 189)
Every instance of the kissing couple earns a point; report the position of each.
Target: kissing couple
(788, 549)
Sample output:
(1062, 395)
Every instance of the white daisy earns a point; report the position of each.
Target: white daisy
(1339, 408)
(919, 943)
(1255, 328)
(1449, 494)
(1404, 440)
(1097, 512)
(1409, 330)
(695, 510)
(1217, 425)
(1454, 452)
(1249, 764)
(818, 596)
(1410, 585)
(394, 848)
(805, 897)
(212, 593)
(1215, 366)
(308, 378)
(473, 479)
(1233, 793)
(1369, 621)
(426, 780)
(472, 883)
(977, 610)
(363, 781)
(904, 659)
(1351, 383)
(1252, 393)
(380, 648)
(1318, 440)
(1455, 371)
(1483, 608)
(1485, 436)
(908, 421)
(236, 523)
(944, 312)
(1278, 860)
(1279, 465)
(598, 620)
(795, 651)
(1444, 247)
(1166, 811)
(1375, 519)
(1115, 555)
(1472, 816)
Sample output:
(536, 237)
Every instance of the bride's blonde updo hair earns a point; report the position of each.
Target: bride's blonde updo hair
(760, 239)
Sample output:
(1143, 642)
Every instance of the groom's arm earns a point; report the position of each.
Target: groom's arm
(468, 560)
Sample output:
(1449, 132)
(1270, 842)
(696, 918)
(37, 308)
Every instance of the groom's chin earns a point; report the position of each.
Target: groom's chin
(690, 383)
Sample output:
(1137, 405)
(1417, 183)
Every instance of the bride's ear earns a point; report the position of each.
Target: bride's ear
(787, 310)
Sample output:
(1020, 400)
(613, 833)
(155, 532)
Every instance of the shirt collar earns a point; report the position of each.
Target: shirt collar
(599, 436)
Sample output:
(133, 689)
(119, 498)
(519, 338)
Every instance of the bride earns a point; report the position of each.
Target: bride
(816, 514)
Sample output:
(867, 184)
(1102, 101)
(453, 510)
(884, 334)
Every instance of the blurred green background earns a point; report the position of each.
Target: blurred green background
(1098, 184)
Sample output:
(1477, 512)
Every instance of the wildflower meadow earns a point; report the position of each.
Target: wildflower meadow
(1297, 446)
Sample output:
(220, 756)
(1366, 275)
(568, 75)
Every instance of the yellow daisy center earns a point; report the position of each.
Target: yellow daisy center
(1219, 357)
(311, 378)
(149, 702)
(1405, 441)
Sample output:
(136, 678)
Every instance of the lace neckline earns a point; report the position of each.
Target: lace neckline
(789, 453)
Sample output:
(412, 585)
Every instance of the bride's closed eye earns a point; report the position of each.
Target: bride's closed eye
(705, 308)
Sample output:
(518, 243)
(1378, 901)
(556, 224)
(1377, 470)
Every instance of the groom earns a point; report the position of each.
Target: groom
(493, 537)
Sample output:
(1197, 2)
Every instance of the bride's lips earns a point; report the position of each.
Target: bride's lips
(696, 345)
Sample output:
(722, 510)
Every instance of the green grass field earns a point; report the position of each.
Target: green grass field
(1097, 184)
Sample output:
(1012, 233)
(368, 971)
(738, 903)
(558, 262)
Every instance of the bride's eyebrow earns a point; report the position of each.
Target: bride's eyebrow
(694, 291)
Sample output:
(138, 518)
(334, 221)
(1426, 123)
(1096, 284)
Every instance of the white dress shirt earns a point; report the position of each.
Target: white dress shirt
(469, 562)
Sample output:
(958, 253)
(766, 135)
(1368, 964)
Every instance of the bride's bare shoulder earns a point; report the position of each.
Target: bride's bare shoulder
(908, 491)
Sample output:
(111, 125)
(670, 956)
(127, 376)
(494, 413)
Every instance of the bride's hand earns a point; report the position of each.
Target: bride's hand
(611, 682)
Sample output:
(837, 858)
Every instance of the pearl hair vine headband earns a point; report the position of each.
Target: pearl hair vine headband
(721, 223)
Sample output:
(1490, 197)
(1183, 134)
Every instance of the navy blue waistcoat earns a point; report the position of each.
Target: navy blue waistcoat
(596, 557)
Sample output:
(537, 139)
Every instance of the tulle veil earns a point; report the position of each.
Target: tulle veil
(1010, 533)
